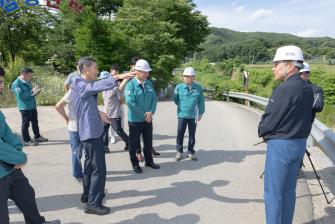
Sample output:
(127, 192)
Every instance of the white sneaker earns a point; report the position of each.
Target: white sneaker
(112, 141)
(179, 156)
(192, 157)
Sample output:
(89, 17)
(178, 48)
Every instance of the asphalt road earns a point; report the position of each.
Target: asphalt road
(223, 186)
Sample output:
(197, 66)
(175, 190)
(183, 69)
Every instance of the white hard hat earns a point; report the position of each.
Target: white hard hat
(189, 71)
(289, 53)
(142, 65)
(306, 68)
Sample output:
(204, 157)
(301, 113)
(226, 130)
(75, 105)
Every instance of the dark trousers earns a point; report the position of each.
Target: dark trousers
(139, 147)
(105, 138)
(27, 117)
(117, 127)
(16, 187)
(136, 129)
(182, 123)
(94, 171)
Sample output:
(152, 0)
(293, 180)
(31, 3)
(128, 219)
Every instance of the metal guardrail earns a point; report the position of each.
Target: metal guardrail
(323, 136)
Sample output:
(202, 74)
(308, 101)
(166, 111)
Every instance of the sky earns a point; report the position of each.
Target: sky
(305, 18)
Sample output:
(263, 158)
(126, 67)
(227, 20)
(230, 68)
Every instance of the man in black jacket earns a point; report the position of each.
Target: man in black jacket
(285, 126)
(318, 92)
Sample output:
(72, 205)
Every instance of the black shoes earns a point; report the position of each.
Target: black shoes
(84, 198)
(154, 152)
(102, 210)
(152, 165)
(137, 169)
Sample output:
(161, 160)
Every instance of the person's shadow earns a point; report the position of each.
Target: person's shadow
(206, 158)
(180, 194)
(162, 137)
(154, 218)
(52, 203)
(327, 177)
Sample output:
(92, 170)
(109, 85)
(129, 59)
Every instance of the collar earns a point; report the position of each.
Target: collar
(295, 76)
(138, 81)
(22, 80)
(186, 86)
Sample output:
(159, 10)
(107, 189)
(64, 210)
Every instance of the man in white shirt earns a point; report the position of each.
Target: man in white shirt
(71, 121)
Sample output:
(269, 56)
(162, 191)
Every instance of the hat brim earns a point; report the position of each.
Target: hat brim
(147, 70)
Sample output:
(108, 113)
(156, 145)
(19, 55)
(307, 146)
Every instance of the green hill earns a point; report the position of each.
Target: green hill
(251, 47)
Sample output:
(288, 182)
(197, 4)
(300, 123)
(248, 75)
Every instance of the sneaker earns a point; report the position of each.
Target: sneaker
(192, 157)
(41, 139)
(113, 140)
(179, 156)
(30, 143)
(139, 157)
(52, 222)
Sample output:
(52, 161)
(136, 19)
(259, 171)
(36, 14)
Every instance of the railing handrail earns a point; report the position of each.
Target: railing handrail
(321, 134)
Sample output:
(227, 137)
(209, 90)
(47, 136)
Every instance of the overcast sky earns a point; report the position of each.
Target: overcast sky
(304, 18)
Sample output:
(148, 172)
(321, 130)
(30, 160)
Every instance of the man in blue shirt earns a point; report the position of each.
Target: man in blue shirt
(84, 93)
(25, 98)
(142, 101)
(13, 183)
(190, 102)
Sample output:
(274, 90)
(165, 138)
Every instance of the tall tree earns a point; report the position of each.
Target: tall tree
(24, 31)
(157, 33)
(103, 7)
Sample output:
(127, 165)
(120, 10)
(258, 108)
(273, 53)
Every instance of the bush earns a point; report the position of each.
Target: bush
(201, 65)
(44, 77)
(327, 115)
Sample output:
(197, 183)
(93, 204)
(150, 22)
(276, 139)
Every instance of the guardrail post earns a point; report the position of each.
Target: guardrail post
(247, 103)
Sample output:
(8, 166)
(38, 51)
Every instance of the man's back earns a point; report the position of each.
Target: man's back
(289, 112)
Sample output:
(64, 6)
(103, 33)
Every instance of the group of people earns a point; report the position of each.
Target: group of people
(14, 184)
(285, 126)
(88, 128)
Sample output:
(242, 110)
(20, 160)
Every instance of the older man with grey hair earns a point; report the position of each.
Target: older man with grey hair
(84, 93)
(285, 126)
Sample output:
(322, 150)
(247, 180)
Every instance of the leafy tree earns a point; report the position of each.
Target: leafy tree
(103, 7)
(155, 32)
(24, 31)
